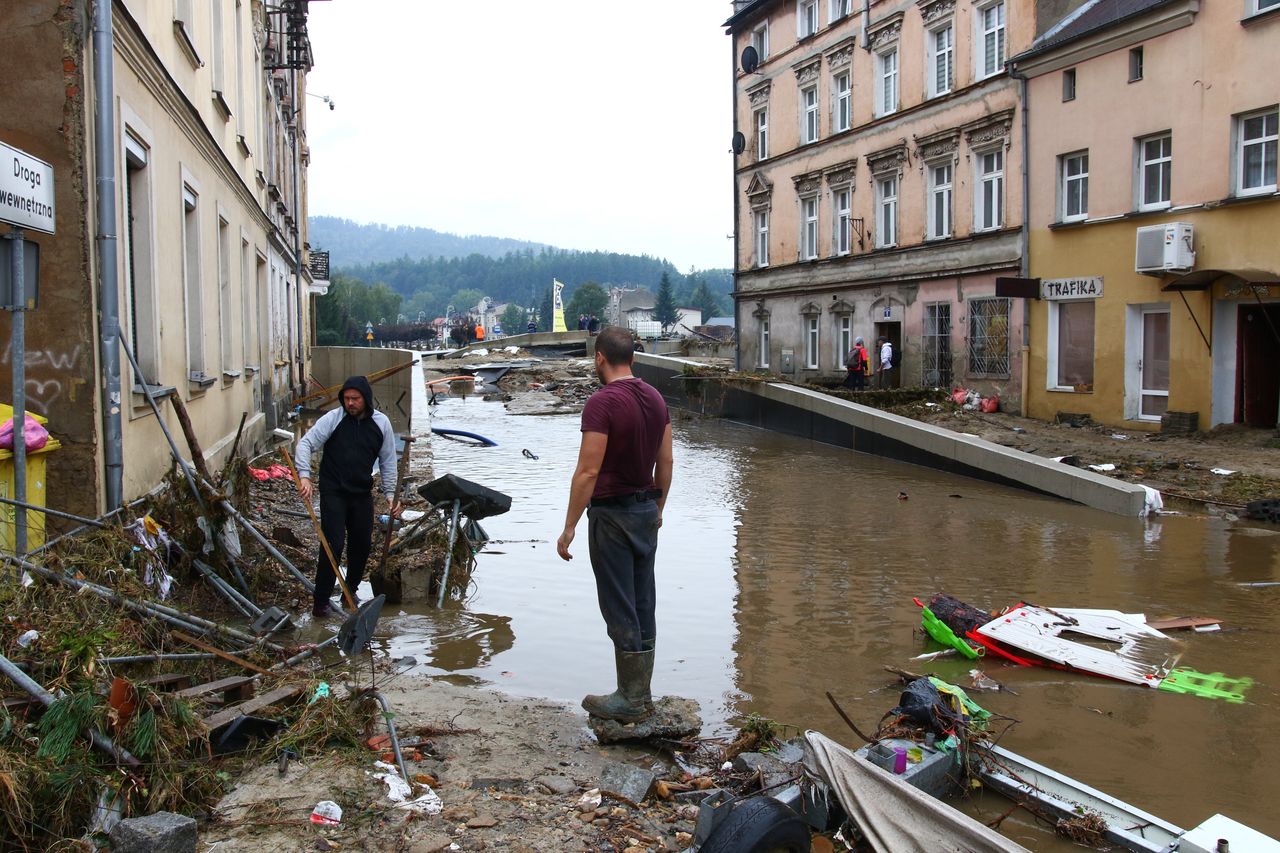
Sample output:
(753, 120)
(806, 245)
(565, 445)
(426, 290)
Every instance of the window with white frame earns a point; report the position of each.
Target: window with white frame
(1069, 84)
(844, 339)
(989, 337)
(886, 211)
(991, 40)
(1256, 141)
(760, 40)
(762, 133)
(887, 82)
(842, 209)
(840, 8)
(842, 114)
(191, 279)
(808, 228)
(809, 115)
(939, 214)
(806, 18)
(1073, 186)
(143, 328)
(218, 63)
(1257, 7)
(247, 324)
(811, 341)
(225, 325)
(942, 51)
(989, 191)
(1070, 350)
(764, 340)
(1155, 170)
(762, 237)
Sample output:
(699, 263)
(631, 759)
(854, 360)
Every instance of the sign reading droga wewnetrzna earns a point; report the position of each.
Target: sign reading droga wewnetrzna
(26, 190)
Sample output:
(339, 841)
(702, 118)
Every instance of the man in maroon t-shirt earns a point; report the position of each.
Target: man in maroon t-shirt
(624, 474)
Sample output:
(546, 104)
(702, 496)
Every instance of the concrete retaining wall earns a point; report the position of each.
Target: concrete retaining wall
(808, 414)
(392, 395)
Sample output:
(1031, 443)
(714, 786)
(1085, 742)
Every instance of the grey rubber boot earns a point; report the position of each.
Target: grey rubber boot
(627, 703)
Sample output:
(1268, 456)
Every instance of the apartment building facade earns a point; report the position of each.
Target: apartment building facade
(878, 187)
(203, 102)
(1154, 213)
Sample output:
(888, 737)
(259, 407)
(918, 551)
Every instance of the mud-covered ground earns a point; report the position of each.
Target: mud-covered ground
(510, 773)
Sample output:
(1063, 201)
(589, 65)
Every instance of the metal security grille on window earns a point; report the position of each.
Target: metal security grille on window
(935, 346)
(989, 337)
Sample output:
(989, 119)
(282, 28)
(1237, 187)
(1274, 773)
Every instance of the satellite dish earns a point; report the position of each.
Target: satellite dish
(750, 59)
(739, 142)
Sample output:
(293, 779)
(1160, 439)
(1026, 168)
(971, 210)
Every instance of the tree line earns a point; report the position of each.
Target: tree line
(414, 292)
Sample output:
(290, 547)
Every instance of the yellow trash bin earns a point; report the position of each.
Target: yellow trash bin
(36, 463)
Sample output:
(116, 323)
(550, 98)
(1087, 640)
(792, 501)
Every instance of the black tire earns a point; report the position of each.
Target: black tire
(759, 825)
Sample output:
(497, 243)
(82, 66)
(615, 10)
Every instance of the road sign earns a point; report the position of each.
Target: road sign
(26, 190)
(369, 336)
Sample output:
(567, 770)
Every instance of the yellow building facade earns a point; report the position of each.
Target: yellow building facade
(1154, 215)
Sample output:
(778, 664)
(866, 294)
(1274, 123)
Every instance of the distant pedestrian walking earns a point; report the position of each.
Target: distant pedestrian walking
(582, 322)
(593, 324)
(533, 327)
(884, 379)
(856, 366)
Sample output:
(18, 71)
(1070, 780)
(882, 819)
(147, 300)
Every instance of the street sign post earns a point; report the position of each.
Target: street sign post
(26, 201)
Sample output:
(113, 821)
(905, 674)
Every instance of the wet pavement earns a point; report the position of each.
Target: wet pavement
(786, 569)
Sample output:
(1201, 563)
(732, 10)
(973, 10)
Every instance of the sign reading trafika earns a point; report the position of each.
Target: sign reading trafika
(26, 190)
(1071, 288)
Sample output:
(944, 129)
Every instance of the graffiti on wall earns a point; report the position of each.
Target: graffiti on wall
(52, 376)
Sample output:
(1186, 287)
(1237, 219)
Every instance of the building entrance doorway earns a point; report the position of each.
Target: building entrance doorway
(1258, 365)
(892, 331)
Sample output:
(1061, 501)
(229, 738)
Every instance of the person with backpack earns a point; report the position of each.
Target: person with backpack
(883, 379)
(857, 365)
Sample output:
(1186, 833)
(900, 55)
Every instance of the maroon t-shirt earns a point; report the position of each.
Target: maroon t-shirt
(634, 416)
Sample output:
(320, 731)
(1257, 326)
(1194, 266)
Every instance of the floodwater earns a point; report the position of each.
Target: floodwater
(787, 568)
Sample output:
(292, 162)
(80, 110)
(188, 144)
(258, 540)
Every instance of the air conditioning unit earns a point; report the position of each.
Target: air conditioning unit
(1165, 248)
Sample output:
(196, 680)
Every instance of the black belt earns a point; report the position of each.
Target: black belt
(631, 498)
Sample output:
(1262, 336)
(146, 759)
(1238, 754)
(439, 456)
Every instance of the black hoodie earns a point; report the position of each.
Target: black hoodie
(353, 448)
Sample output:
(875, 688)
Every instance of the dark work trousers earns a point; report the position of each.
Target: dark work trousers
(346, 519)
(623, 541)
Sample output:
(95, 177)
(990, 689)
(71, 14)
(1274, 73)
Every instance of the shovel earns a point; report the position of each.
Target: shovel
(357, 630)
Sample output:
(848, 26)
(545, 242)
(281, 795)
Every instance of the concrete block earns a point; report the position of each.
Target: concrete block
(162, 832)
(772, 771)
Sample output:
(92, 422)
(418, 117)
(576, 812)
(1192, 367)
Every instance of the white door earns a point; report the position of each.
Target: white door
(1153, 366)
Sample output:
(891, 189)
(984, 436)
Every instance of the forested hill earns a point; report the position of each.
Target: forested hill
(353, 244)
(417, 273)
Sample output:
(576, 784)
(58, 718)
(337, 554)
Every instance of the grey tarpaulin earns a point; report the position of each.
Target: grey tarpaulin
(895, 817)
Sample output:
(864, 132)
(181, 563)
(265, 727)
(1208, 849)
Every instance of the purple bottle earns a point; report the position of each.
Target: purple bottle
(899, 760)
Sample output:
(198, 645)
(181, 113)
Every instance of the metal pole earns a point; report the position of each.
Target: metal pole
(56, 513)
(104, 143)
(448, 555)
(18, 355)
(46, 698)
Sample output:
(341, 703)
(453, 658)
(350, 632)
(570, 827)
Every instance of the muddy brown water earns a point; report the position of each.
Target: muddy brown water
(787, 568)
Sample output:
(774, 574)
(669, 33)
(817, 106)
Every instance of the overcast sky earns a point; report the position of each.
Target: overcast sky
(584, 124)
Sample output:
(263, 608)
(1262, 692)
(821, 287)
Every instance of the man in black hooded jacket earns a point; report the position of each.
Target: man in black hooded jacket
(353, 437)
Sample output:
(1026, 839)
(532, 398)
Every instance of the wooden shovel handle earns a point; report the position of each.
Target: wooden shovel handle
(333, 561)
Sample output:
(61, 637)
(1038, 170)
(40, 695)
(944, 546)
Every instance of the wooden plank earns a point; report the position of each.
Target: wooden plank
(1179, 622)
(226, 715)
(234, 686)
(167, 681)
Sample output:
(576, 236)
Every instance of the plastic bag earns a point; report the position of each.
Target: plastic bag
(33, 431)
(989, 404)
(923, 703)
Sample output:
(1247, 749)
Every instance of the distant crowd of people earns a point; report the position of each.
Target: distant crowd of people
(588, 323)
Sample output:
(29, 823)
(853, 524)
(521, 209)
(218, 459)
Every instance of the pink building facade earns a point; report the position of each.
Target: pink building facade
(878, 187)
